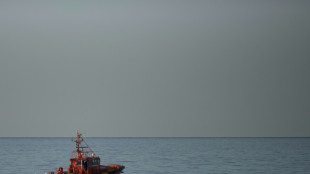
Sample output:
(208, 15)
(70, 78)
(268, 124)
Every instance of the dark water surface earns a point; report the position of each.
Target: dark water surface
(163, 155)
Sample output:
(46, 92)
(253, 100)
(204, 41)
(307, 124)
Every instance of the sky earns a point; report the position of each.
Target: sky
(141, 68)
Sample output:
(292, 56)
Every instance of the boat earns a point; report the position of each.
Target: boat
(84, 161)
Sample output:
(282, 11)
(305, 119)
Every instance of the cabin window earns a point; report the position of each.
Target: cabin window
(78, 163)
(95, 162)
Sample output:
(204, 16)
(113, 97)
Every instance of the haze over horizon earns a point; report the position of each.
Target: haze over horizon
(155, 68)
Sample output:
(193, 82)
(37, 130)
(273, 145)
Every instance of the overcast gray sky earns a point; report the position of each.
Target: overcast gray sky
(155, 68)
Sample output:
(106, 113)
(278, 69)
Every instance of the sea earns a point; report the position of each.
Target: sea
(163, 155)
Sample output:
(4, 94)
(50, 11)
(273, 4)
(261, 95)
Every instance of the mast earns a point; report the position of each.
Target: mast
(78, 141)
(80, 149)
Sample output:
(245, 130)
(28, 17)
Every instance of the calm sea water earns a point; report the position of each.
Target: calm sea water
(163, 155)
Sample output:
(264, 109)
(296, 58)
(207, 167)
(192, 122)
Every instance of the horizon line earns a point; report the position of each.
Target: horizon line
(159, 137)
